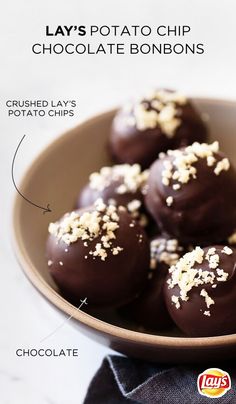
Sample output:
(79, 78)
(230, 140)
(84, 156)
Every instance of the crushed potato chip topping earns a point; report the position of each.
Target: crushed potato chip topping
(102, 222)
(186, 276)
(160, 108)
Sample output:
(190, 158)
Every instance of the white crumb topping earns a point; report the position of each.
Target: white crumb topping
(134, 208)
(207, 313)
(140, 238)
(134, 205)
(227, 250)
(156, 104)
(160, 108)
(116, 250)
(208, 300)
(186, 275)
(211, 161)
(100, 224)
(175, 300)
(222, 165)
(182, 168)
(212, 258)
(164, 97)
(211, 251)
(176, 187)
(166, 251)
(169, 200)
(145, 119)
(161, 155)
(167, 119)
(222, 275)
(131, 177)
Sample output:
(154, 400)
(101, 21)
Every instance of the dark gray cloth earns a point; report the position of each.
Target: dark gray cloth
(125, 380)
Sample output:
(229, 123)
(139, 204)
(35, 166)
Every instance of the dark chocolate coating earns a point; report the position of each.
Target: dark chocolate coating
(131, 145)
(222, 320)
(88, 195)
(204, 209)
(149, 309)
(112, 282)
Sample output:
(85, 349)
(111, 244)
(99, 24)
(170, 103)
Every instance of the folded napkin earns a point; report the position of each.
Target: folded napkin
(125, 380)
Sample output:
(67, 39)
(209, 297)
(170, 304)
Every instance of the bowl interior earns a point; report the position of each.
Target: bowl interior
(58, 174)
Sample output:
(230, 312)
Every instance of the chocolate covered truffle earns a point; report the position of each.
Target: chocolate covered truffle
(163, 120)
(100, 253)
(149, 309)
(190, 194)
(200, 291)
(122, 184)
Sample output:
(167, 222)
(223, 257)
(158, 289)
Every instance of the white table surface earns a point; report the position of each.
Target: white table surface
(99, 83)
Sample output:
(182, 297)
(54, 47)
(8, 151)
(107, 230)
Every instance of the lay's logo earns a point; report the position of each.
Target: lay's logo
(213, 383)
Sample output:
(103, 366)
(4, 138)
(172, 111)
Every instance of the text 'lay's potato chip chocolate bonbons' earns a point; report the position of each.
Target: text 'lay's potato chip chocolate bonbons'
(152, 236)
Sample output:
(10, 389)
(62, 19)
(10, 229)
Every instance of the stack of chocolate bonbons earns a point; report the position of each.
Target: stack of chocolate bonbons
(168, 178)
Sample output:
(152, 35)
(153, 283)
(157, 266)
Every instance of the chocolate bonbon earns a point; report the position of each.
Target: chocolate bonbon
(100, 253)
(190, 194)
(162, 120)
(200, 291)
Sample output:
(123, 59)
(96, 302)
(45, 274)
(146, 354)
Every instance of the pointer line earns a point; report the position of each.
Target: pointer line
(45, 209)
(66, 320)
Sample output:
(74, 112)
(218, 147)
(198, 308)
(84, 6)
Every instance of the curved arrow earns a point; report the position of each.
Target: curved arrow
(45, 209)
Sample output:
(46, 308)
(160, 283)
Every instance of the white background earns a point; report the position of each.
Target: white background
(98, 83)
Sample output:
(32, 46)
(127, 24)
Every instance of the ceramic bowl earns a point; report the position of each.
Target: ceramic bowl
(55, 177)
